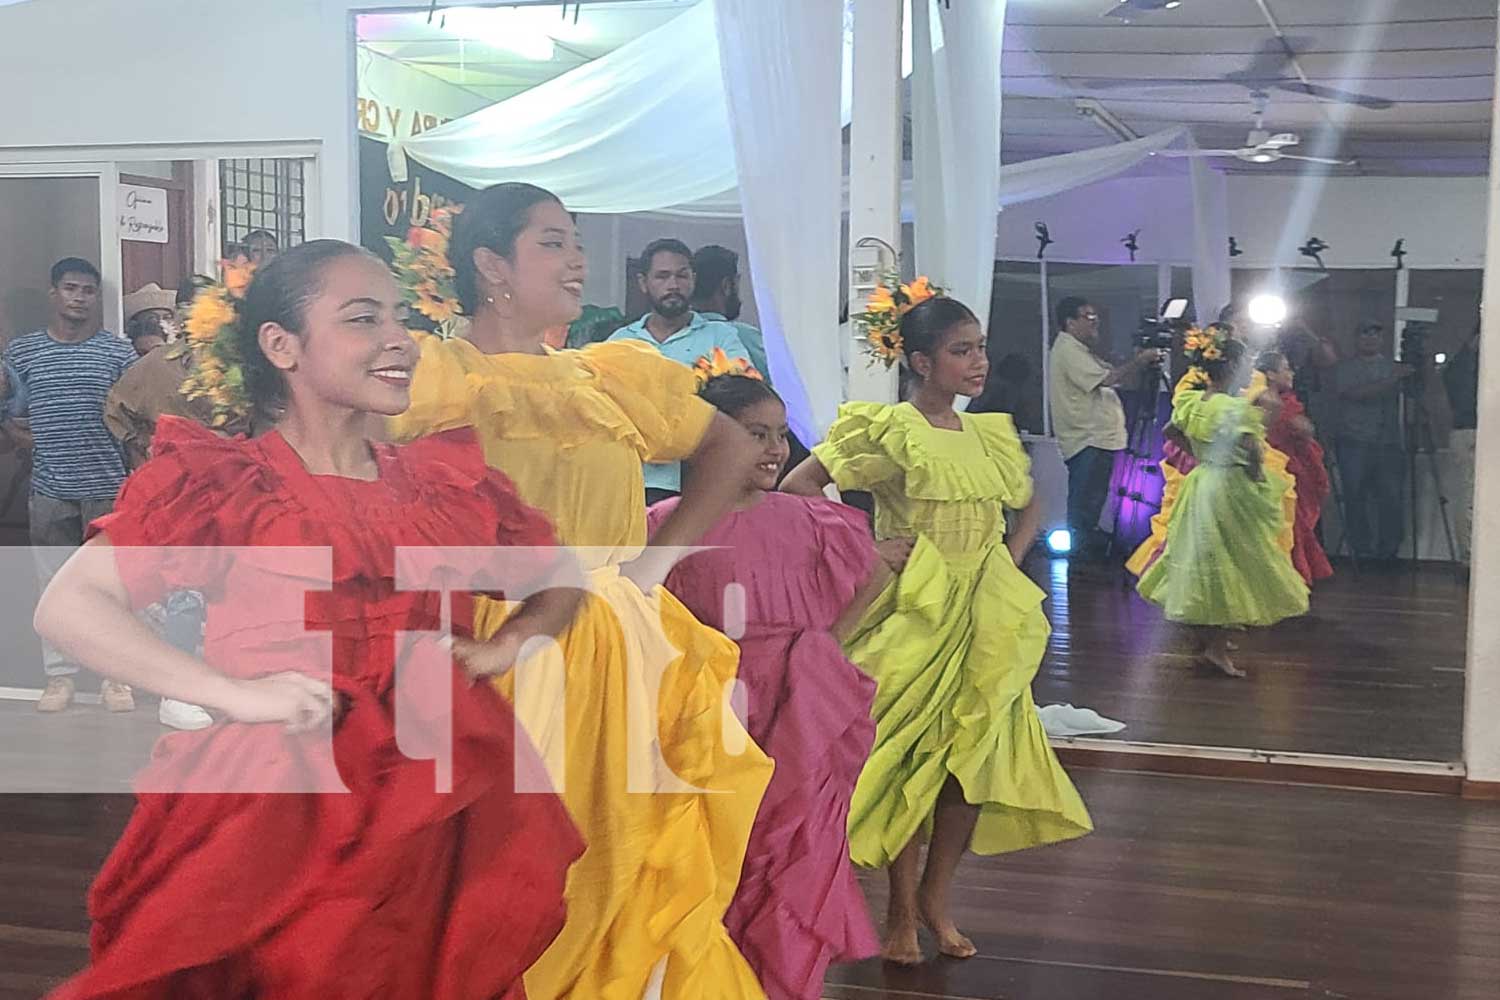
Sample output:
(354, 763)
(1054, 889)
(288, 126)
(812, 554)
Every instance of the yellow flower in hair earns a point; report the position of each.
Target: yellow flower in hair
(439, 310)
(211, 313)
(918, 291)
(887, 345)
(718, 363)
(881, 301)
(1212, 353)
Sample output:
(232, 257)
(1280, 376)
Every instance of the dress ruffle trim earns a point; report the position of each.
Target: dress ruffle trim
(901, 436)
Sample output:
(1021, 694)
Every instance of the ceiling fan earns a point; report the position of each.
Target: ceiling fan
(1260, 146)
(1268, 70)
(1127, 9)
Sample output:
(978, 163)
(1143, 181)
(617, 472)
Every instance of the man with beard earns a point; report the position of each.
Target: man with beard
(716, 296)
(674, 329)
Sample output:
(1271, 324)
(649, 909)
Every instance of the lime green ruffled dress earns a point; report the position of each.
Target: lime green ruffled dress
(1222, 564)
(954, 642)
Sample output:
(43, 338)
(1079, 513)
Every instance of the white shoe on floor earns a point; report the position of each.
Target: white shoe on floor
(181, 715)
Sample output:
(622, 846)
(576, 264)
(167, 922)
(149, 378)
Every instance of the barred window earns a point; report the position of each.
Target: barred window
(262, 195)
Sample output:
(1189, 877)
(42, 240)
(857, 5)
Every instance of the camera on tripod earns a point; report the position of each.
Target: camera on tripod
(1159, 333)
(1415, 352)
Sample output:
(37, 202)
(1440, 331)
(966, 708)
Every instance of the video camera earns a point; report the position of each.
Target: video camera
(1159, 333)
(1417, 325)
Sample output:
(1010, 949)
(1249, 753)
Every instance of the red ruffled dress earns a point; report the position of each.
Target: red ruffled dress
(395, 888)
(800, 562)
(1305, 462)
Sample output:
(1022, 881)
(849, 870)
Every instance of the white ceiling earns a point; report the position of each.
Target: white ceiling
(1433, 60)
(581, 34)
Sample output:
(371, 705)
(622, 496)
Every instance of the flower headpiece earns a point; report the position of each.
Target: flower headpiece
(424, 274)
(881, 321)
(218, 373)
(719, 363)
(1205, 346)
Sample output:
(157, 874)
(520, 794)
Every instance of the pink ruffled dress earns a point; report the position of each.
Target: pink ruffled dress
(799, 561)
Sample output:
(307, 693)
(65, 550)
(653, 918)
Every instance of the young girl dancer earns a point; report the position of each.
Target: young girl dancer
(572, 428)
(788, 577)
(391, 888)
(1290, 432)
(1222, 567)
(954, 643)
(1178, 460)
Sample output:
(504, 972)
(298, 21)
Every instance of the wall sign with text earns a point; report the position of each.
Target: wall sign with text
(143, 214)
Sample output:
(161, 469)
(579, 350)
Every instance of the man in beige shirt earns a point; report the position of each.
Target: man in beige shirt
(1087, 418)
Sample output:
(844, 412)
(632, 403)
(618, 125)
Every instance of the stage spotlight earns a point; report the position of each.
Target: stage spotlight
(1440, 359)
(1059, 541)
(1267, 310)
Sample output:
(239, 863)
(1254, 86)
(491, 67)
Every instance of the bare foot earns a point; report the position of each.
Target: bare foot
(1221, 662)
(950, 941)
(901, 947)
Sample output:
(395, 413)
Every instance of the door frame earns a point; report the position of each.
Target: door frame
(106, 177)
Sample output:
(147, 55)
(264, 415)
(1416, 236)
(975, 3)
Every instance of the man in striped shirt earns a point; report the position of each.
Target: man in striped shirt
(65, 372)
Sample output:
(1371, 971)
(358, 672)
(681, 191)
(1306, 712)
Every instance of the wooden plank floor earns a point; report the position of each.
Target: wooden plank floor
(1196, 888)
(1191, 889)
(1376, 670)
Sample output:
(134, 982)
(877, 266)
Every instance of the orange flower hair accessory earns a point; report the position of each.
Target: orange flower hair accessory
(881, 321)
(719, 364)
(1206, 345)
(218, 373)
(423, 273)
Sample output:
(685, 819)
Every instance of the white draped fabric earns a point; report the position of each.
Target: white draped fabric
(1210, 241)
(785, 118)
(956, 145)
(1020, 182)
(635, 132)
(641, 128)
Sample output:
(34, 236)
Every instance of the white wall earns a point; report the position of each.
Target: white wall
(1442, 220)
(174, 73)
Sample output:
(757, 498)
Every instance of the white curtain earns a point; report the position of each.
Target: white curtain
(956, 145)
(783, 97)
(1210, 241)
(636, 132)
(1019, 182)
(641, 128)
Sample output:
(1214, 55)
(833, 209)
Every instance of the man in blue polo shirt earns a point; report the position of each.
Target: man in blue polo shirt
(673, 328)
(66, 371)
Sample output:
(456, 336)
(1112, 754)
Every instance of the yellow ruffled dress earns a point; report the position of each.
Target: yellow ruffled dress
(1274, 462)
(954, 642)
(571, 429)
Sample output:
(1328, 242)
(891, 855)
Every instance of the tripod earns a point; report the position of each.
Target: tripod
(1140, 447)
(1336, 487)
(1421, 440)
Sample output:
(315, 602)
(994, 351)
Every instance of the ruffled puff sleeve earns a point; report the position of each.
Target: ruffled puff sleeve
(656, 394)
(1218, 418)
(1007, 454)
(856, 452)
(524, 554)
(167, 529)
(847, 549)
(439, 391)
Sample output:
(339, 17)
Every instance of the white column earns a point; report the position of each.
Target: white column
(1482, 679)
(1046, 347)
(874, 172)
(208, 244)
